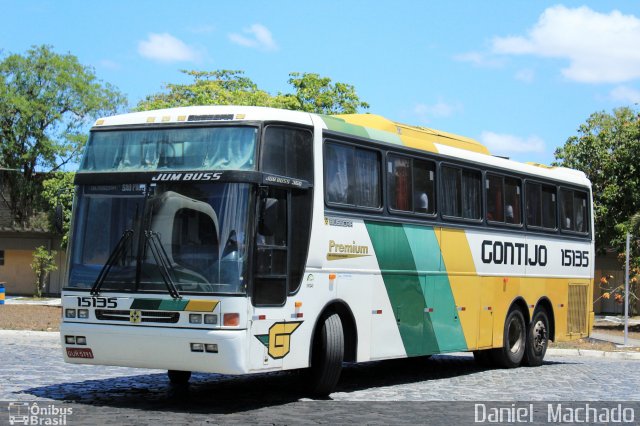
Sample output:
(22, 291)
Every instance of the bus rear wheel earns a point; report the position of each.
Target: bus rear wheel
(177, 377)
(327, 354)
(512, 351)
(537, 339)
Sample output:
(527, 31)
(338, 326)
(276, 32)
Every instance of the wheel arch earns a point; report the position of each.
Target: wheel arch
(349, 328)
(545, 303)
(520, 303)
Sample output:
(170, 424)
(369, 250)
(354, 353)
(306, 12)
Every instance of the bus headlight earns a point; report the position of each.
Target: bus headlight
(195, 318)
(83, 313)
(210, 319)
(69, 313)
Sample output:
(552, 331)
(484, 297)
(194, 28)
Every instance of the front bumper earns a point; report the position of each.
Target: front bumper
(157, 348)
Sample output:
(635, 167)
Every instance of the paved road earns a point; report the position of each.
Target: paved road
(31, 370)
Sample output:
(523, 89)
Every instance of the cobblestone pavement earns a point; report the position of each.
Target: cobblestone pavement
(31, 369)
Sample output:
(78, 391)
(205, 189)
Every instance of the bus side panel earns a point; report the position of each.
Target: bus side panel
(420, 294)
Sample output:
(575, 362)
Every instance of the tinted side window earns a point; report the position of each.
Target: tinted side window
(411, 184)
(541, 205)
(503, 199)
(352, 176)
(573, 211)
(461, 192)
(549, 207)
(288, 152)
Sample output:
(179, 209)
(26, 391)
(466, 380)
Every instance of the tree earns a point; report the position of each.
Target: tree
(57, 189)
(229, 87)
(47, 101)
(44, 262)
(607, 149)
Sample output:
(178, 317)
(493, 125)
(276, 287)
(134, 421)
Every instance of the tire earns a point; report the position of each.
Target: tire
(177, 377)
(537, 339)
(327, 354)
(483, 358)
(510, 355)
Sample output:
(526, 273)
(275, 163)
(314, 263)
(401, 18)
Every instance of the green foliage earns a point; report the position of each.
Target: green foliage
(229, 87)
(57, 189)
(47, 101)
(607, 149)
(44, 262)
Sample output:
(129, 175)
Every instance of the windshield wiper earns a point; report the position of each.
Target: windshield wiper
(162, 260)
(117, 252)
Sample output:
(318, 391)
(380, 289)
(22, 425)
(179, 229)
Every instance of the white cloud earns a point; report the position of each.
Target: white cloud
(625, 94)
(600, 48)
(499, 144)
(259, 37)
(480, 60)
(440, 109)
(167, 48)
(525, 75)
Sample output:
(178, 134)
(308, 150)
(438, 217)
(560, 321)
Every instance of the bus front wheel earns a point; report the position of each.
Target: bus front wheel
(537, 339)
(326, 356)
(512, 351)
(177, 377)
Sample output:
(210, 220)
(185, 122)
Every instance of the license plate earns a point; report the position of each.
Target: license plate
(79, 353)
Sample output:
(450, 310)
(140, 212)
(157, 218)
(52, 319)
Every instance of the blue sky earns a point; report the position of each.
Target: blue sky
(519, 76)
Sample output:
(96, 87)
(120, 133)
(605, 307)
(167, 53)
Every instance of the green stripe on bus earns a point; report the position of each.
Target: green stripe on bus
(412, 269)
(402, 282)
(148, 304)
(172, 305)
(436, 287)
(339, 125)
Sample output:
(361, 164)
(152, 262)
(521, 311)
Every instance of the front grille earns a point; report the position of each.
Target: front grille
(577, 312)
(145, 316)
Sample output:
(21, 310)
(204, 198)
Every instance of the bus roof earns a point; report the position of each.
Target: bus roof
(369, 126)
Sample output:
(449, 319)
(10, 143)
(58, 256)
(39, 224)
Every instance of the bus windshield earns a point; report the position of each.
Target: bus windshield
(198, 148)
(196, 233)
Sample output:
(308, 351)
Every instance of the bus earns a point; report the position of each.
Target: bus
(240, 240)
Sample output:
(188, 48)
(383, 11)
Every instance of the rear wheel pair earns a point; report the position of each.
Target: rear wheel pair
(522, 344)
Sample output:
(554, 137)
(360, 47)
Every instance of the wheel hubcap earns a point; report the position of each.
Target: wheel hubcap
(539, 336)
(515, 336)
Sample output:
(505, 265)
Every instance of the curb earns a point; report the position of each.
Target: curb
(46, 302)
(590, 353)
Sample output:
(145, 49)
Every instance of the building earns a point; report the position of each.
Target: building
(17, 244)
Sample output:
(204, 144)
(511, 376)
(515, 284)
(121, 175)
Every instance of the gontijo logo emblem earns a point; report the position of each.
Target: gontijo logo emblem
(278, 341)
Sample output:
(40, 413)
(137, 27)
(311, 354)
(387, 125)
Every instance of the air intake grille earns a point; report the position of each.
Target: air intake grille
(145, 316)
(577, 313)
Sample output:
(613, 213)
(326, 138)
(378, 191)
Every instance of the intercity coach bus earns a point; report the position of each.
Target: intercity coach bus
(240, 240)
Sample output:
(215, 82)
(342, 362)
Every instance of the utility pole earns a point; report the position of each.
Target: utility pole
(626, 293)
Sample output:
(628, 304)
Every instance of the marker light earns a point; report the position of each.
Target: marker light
(81, 340)
(197, 347)
(83, 313)
(210, 319)
(231, 319)
(195, 318)
(70, 340)
(70, 313)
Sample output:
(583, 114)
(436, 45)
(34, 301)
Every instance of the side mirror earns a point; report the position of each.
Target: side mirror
(268, 216)
(58, 222)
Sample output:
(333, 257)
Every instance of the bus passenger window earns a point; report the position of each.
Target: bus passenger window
(566, 209)
(533, 204)
(549, 207)
(352, 176)
(399, 178)
(424, 200)
(580, 212)
(513, 202)
(495, 210)
(462, 197)
(339, 160)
